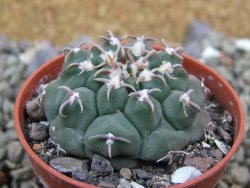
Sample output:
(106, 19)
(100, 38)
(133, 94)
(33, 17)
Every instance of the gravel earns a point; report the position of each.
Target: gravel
(15, 167)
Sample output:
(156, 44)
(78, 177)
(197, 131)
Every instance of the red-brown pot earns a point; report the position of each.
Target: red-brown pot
(224, 95)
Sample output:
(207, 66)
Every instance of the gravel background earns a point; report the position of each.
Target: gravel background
(229, 56)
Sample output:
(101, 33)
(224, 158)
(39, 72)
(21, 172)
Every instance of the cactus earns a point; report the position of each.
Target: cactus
(125, 101)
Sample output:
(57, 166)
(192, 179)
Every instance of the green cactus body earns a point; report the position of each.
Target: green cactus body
(127, 103)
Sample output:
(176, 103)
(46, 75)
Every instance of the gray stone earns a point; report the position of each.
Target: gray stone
(15, 78)
(81, 175)
(142, 174)
(86, 164)
(11, 70)
(26, 184)
(41, 54)
(247, 161)
(15, 152)
(240, 155)
(202, 164)
(10, 125)
(222, 184)
(10, 135)
(224, 134)
(224, 72)
(214, 39)
(10, 165)
(246, 145)
(112, 179)
(26, 161)
(66, 164)
(101, 166)
(240, 174)
(5, 46)
(228, 46)
(8, 106)
(140, 181)
(193, 48)
(2, 152)
(246, 76)
(35, 109)
(126, 173)
(22, 173)
(5, 90)
(197, 31)
(38, 132)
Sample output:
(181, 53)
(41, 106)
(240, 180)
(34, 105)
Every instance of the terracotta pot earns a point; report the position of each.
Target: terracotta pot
(224, 95)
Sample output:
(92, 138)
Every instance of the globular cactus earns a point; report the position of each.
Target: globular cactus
(124, 101)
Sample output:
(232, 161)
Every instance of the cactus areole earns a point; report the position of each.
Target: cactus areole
(128, 103)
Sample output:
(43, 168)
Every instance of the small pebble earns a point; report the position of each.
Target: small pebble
(205, 145)
(217, 154)
(224, 134)
(22, 173)
(126, 173)
(240, 155)
(10, 165)
(37, 148)
(34, 109)
(124, 183)
(66, 164)
(112, 179)
(142, 174)
(38, 132)
(240, 174)
(101, 166)
(222, 184)
(140, 181)
(2, 153)
(15, 151)
(27, 184)
(202, 164)
(81, 175)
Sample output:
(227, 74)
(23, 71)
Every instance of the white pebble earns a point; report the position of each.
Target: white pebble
(136, 185)
(205, 145)
(243, 44)
(184, 174)
(210, 52)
